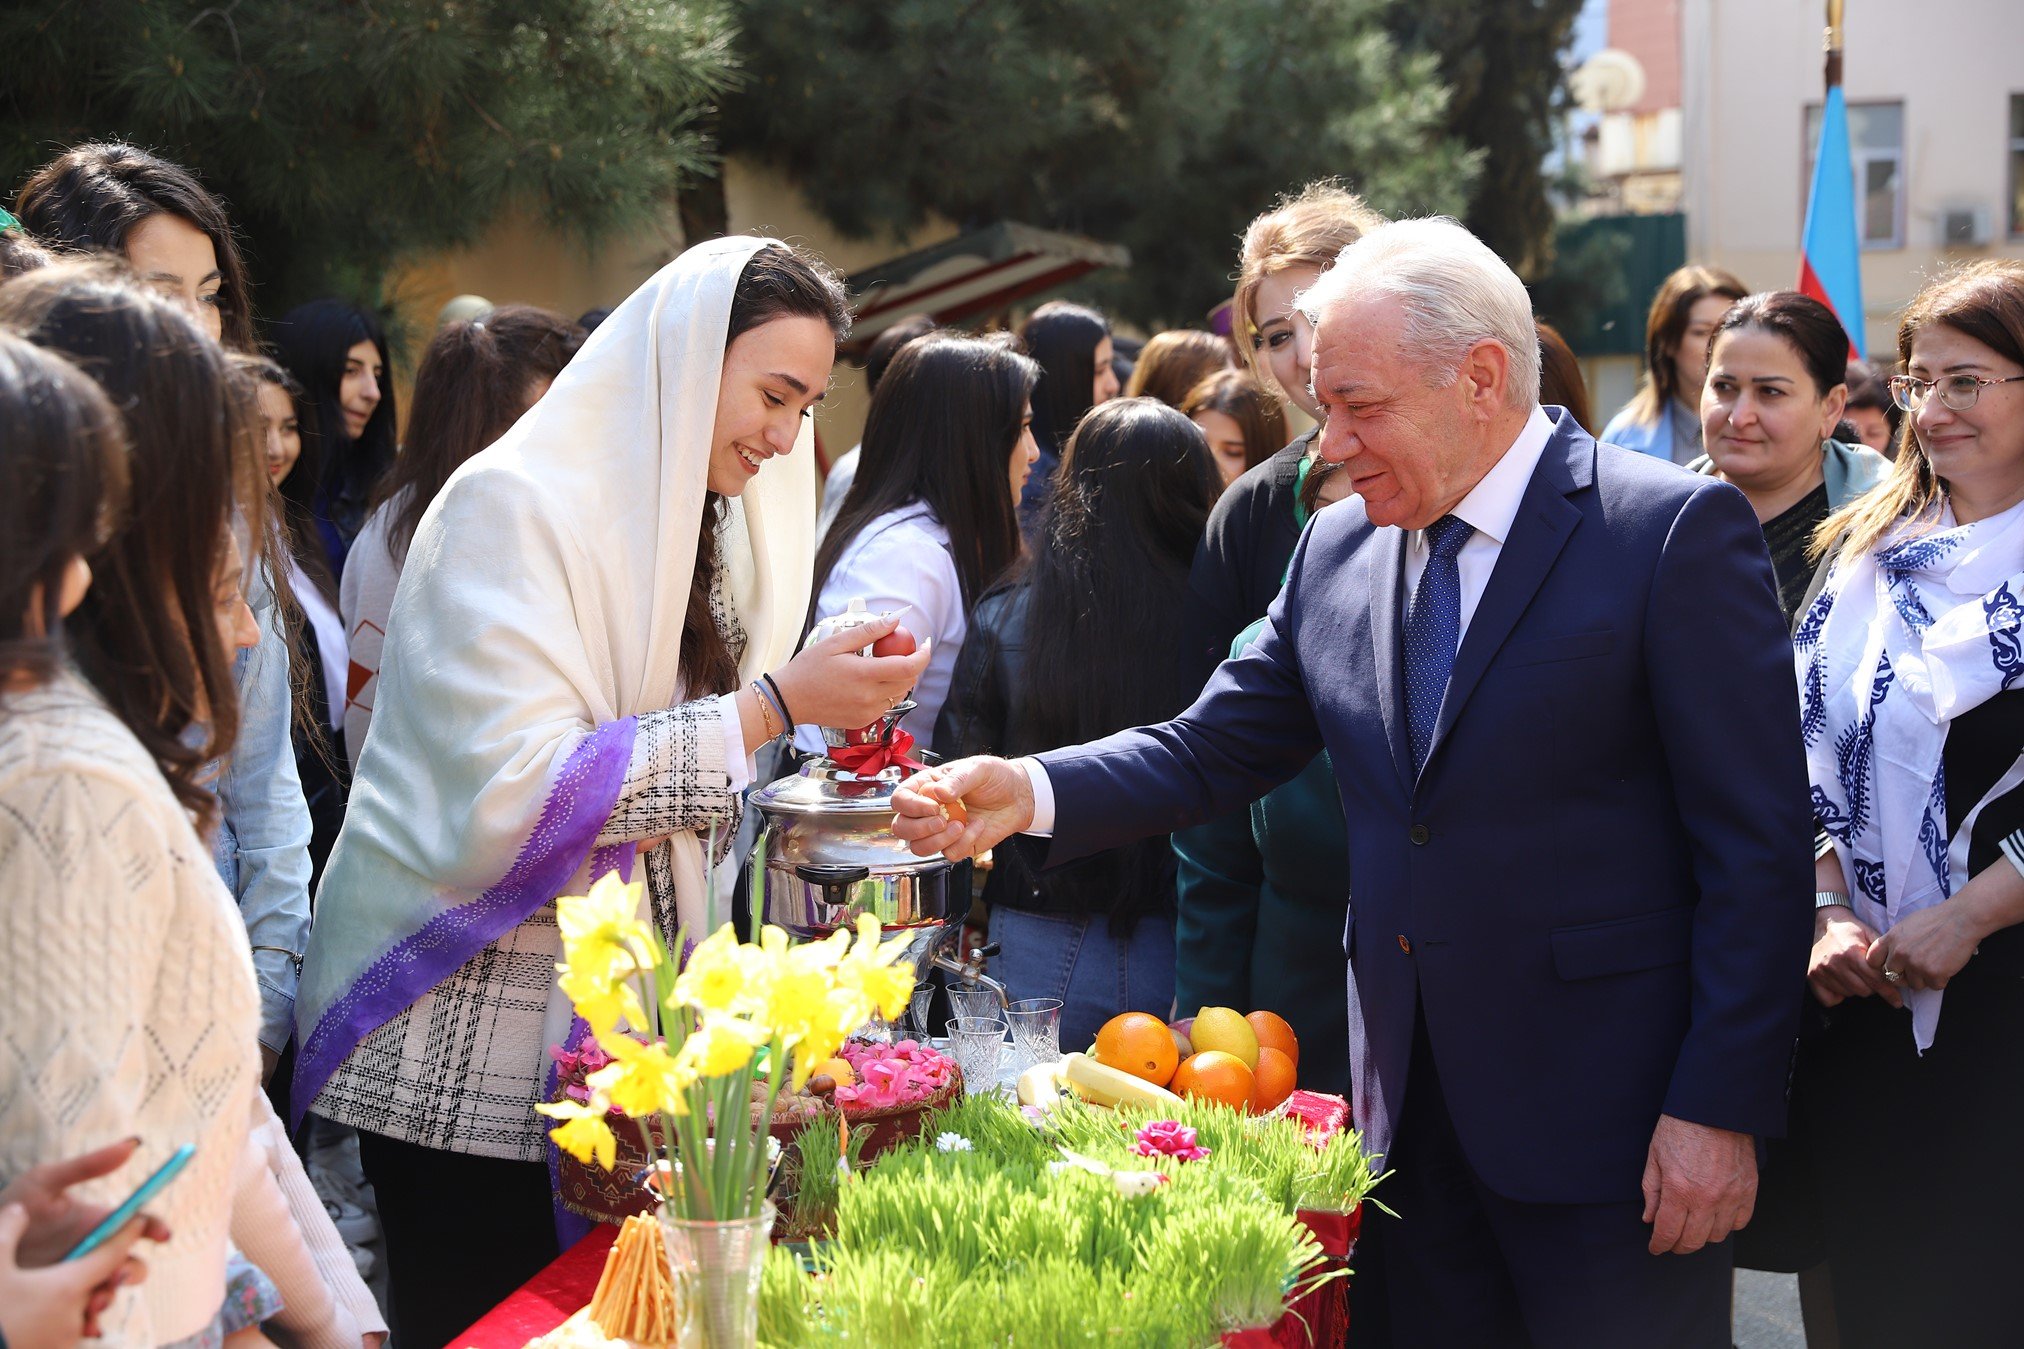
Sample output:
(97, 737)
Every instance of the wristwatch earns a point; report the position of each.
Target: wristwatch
(1824, 899)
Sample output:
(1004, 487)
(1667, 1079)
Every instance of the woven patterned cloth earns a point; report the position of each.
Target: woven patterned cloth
(462, 1067)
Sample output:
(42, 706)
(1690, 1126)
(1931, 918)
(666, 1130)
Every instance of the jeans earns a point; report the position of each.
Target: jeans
(1076, 959)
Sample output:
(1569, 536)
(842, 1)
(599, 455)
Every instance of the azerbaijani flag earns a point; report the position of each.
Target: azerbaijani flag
(1830, 258)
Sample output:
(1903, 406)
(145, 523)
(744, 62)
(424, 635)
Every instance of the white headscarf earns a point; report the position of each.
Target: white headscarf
(541, 609)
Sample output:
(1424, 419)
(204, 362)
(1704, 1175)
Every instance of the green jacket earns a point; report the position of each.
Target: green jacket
(1264, 896)
(1847, 471)
(1262, 900)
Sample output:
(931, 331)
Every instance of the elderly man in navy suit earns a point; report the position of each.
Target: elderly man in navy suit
(1557, 692)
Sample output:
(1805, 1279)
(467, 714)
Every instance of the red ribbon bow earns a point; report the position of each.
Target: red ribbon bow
(868, 761)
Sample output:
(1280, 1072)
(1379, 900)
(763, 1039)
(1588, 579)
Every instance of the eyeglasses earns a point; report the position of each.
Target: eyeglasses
(1958, 392)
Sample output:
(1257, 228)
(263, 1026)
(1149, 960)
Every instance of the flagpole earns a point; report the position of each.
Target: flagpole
(1832, 41)
(1830, 249)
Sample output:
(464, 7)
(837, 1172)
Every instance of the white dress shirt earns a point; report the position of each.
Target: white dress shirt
(1490, 508)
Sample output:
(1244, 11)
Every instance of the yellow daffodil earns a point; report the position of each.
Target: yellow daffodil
(721, 1045)
(722, 976)
(871, 968)
(604, 1004)
(602, 933)
(643, 1080)
(584, 1134)
(889, 988)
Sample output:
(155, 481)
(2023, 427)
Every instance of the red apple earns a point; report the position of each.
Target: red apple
(898, 642)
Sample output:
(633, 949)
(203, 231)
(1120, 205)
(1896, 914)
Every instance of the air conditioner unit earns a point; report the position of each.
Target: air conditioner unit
(1964, 227)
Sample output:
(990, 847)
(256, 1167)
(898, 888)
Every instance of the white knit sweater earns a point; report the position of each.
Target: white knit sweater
(127, 998)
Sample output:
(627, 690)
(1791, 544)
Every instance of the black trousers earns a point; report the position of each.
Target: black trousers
(461, 1233)
(1463, 1266)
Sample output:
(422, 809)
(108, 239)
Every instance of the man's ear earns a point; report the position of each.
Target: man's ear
(1485, 374)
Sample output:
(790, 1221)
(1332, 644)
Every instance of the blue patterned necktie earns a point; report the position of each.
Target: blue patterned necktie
(1433, 629)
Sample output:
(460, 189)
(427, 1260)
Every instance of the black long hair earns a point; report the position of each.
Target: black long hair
(1104, 641)
(91, 197)
(470, 389)
(1131, 498)
(311, 342)
(1063, 338)
(63, 482)
(941, 429)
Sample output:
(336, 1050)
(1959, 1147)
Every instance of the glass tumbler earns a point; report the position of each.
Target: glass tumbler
(974, 1002)
(919, 1007)
(976, 1044)
(1036, 1031)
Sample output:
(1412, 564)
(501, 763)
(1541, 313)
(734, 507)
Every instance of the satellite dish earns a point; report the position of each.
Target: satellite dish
(1609, 81)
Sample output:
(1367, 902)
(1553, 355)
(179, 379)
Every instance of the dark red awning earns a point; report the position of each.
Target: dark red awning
(973, 275)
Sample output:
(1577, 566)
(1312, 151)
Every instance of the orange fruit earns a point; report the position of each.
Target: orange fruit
(1273, 1080)
(1140, 1044)
(837, 1070)
(1214, 1075)
(1273, 1033)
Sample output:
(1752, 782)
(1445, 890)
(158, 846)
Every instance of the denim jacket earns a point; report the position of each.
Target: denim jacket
(262, 847)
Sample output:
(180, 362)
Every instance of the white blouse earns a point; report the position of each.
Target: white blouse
(902, 560)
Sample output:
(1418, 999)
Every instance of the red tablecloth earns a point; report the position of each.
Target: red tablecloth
(546, 1300)
(559, 1291)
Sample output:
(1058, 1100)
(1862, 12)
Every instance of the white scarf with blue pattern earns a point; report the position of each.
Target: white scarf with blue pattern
(1927, 626)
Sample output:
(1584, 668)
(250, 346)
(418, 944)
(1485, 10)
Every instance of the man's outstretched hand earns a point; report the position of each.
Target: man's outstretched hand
(960, 809)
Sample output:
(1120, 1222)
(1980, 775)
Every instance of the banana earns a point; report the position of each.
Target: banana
(1040, 1086)
(1105, 1085)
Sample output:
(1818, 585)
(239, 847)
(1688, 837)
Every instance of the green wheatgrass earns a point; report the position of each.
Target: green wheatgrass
(992, 1247)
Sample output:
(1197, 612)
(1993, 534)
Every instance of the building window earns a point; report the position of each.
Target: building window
(2017, 165)
(1876, 139)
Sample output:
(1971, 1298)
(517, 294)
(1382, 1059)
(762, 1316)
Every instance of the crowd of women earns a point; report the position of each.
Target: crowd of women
(261, 643)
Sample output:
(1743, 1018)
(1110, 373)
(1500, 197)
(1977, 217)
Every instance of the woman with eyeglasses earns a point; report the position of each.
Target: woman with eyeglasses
(1912, 674)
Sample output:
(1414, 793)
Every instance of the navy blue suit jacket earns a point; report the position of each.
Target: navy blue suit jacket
(1597, 890)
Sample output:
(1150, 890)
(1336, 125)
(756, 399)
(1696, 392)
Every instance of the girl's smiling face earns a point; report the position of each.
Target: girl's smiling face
(773, 377)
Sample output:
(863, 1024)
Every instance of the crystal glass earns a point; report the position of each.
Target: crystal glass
(974, 1002)
(715, 1267)
(922, 1004)
(976, 1044)
(1036, 1031)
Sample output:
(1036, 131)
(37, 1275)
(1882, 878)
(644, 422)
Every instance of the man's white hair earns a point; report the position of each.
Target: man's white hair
(1455, 293)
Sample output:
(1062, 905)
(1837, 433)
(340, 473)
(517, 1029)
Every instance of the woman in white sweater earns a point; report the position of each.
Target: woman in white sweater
(130, 1007)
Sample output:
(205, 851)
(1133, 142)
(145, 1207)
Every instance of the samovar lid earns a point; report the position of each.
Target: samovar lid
(821, 788)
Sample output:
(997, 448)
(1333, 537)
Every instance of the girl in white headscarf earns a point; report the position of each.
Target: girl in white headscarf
(584, 650)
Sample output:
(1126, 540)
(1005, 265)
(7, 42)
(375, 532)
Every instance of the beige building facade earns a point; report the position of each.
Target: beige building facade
(1936, 109)
(519, 260)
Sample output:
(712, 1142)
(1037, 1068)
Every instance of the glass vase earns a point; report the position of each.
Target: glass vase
(715, 1267)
